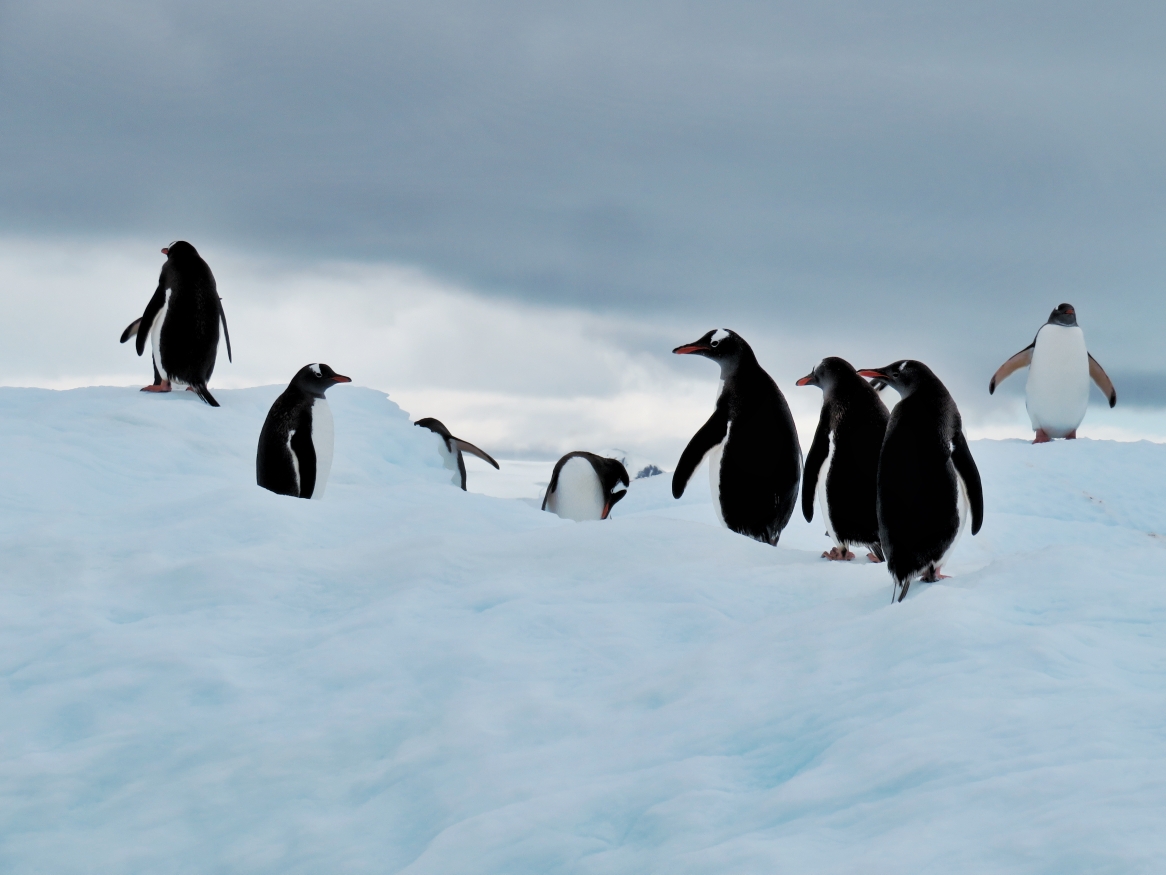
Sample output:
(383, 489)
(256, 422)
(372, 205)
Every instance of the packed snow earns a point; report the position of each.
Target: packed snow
(201, 676)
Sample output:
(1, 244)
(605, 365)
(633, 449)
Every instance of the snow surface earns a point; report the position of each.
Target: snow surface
(201, 676)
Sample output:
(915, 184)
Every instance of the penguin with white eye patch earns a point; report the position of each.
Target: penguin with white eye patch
(585, 486)
(452, 449)
(1059, 370)
(295, 445)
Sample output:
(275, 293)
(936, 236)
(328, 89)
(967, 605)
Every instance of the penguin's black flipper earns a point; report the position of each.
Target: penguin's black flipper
(467, 447)
(961, 456)
(709, 435)
(819, 449)
(1102, 380)
(147, 320)
(305, 453)
(226, 333)
(461, 467)
(1021, 360)
(204, 393)
(131, 330)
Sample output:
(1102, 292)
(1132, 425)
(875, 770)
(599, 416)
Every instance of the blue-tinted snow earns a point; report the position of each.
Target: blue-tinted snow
(200, 676)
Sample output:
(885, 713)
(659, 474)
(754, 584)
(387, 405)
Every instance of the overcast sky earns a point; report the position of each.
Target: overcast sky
(874, 180)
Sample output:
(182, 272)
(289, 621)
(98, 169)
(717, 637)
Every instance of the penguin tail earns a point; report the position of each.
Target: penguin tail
(204, 393)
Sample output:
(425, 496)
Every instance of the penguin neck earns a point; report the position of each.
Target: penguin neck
(733, 366)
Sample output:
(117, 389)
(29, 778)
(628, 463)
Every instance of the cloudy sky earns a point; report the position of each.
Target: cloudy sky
(506, 214)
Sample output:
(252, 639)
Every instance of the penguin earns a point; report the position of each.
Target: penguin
(182, 322)
(843, 464)
(452, 449)
(1059, 369)
(585, 486)
(755, 461)
(295, 445)
(927, 479)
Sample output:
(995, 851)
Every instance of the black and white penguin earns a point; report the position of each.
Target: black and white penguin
(182, 321)
(585, 486)
(452, 449)
(927, 476)
(755, 461)
(295, 445)
(1059, 369)
(843, 465)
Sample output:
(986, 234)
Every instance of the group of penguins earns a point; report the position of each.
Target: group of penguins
(899, 483)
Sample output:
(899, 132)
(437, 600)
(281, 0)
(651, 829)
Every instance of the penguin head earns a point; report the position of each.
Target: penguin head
(826, 373)
(904, 376)
(316, 379)
(179, 250)
(723, 346)
(1063, 315)
(614, 478)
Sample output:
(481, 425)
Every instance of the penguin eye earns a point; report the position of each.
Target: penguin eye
(716, 343)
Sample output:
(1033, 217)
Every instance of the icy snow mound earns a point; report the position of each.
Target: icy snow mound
(200, 676)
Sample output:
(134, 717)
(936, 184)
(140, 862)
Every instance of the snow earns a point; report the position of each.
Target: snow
(201, 676)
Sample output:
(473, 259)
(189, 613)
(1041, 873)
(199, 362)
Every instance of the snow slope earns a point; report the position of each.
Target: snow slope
(200, 676)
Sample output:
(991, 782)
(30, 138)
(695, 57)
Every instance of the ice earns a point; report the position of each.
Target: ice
(201, 676)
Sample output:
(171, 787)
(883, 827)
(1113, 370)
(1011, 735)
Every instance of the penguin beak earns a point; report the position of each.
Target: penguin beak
(165, 250)
(808, 380)
(871, 373)
(611, 502)
(340, 378)
(690, 348)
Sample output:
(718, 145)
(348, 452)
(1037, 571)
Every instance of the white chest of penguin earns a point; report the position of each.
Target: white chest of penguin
(323, 437)
(578, 494)
(156, 336)
(1057, 391)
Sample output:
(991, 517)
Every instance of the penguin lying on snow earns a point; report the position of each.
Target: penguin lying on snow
(452, 449)
(585, 486)
(295, 445)
(182, 321)
(1059, 368)
(927, 476)
(755, 461)
(843, 464)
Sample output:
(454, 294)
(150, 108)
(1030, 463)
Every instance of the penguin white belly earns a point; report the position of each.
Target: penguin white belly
(820, 492)
(962, 504)
(713, 457)
(1057, 392)
(578, 494)
(322, 438)
(156, 337)
(449, 460)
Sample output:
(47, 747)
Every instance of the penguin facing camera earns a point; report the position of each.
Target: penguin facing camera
(182, 322)
(585, 486)
(927, 479)
(1059, 370)
(452, 449)
(295, 445)
(755, 461)
(843, 464)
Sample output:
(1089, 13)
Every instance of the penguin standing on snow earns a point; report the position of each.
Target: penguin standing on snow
(295, 445)
(755, 461)
(182, 322)
(452, 449)
(927, 476)
(585, 486)
(1059, 369)
(843, 464)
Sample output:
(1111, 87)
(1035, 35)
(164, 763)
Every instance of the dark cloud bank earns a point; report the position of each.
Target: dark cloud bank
(939, 174)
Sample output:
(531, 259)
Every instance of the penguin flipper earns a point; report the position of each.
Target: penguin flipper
(131, 330)
(204, 393)
(709, 435)
(467, 447)
(1021, 360)
(226, 333)
(965, 466)
(1102, 380)
(819, 449)
(461, 467)
(148, 317)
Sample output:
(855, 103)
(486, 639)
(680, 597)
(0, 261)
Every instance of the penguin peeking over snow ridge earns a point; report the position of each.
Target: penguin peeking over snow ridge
(843, 465)
(452, 449)
(295, 446)
(927, 477)
(182, 322)
(755, 461)
(1059, 369)
(585, 486)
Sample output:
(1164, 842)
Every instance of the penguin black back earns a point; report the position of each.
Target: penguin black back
(760, 464)
(925, 471)
(295, 445)
(849, 438)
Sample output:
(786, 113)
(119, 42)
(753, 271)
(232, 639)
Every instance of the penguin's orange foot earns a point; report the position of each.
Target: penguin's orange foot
(1042, 437)
(873, 558)
(164, 386)
(1071, 436)
(837, 554)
